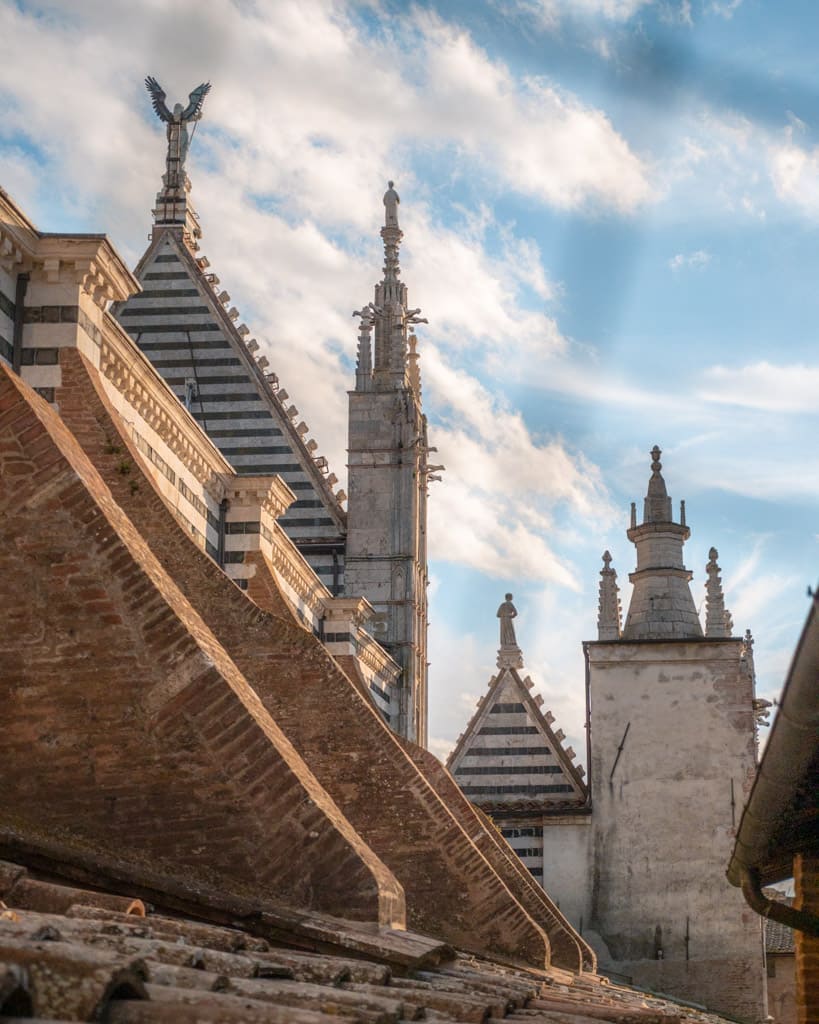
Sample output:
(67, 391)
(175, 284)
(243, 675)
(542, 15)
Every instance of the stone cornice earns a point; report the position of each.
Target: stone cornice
(374, 657)
(636, 533)
(91, 260)
(132, 374)
(94, 263)
(355, 610)
(288, 561)
(13, 251)
(270, 493)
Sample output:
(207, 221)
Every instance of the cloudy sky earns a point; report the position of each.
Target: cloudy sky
(611, 220)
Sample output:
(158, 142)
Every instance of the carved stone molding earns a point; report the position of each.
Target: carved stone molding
(288, 562)
(134, 377)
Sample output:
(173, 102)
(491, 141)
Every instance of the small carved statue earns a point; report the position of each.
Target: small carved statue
(506, 613)
(177, 122)
(391, 202)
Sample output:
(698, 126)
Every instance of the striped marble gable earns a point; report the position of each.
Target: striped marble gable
(182, 321)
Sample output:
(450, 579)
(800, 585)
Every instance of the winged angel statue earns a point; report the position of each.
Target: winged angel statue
(177, 122)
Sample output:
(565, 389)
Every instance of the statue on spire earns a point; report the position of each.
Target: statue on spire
(509, 654)
(177, 131)
(391, 203)
(506, 613)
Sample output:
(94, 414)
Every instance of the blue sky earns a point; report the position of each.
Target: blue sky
(611, 218)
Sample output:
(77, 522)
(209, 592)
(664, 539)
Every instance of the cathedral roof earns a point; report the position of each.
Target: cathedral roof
(184, 324)
(509, 756)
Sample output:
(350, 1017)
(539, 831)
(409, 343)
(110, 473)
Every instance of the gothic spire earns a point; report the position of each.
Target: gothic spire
(392, 365)
(609, 612)
(661, 604)
(718, 620)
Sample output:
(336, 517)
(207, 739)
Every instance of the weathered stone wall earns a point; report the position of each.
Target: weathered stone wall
(664, 815)
(566, 876)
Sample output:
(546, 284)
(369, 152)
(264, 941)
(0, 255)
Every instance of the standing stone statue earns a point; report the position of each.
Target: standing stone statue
(506, 613)
(177, 122)
(391, 202)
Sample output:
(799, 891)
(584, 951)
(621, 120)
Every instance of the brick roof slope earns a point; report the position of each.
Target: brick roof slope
(452, 890)
(129, 735)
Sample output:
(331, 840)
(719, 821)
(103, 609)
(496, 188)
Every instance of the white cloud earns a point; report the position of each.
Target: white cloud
(503, 490)
(725, 8)
(550, 12)
(314, 143)
(795, 173)
(691, 261)
(763, 385)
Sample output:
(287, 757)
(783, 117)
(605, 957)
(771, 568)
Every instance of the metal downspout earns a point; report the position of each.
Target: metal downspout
(799, 920)
(588, 724)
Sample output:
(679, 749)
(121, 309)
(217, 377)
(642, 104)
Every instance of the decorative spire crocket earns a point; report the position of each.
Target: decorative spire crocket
(391, 365)
(718, 620)
(609, 611)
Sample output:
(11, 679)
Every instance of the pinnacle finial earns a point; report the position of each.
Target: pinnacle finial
(718, 620)
(609, 616)
(657, 505)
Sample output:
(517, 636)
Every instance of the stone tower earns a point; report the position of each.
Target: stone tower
(672, 759)
(386, 555)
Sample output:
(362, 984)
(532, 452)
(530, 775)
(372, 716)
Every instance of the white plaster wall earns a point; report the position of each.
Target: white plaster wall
(566, 866)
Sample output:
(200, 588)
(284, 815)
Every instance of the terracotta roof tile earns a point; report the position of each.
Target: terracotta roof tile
(70, 965)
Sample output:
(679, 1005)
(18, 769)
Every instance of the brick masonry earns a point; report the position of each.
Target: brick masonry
(188, 773)
(451, 889)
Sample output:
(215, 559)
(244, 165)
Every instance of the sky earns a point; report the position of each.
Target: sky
(611, 221)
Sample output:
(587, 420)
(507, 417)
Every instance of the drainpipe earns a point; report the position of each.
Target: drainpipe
(799, 920)
(588, 724)
(220, 543)
(17, 337)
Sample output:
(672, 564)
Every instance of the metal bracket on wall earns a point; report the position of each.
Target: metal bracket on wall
(619, 750)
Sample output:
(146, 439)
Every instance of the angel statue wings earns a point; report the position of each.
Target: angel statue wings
(177, 122)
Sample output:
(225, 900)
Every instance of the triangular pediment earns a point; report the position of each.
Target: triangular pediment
(180, 322)
(509, 754)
